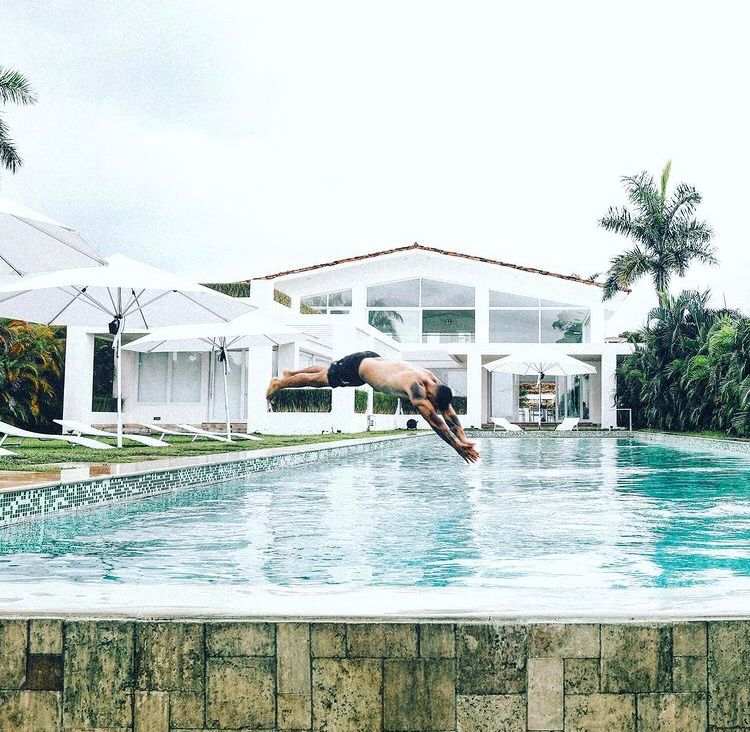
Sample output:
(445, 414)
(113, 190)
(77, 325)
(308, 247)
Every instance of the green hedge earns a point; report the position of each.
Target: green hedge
(303, 400)
(386, 404)
(319, 400)
(360, 401)
(104, 404)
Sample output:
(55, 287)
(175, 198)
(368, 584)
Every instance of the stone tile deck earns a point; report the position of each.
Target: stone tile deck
(196, 676)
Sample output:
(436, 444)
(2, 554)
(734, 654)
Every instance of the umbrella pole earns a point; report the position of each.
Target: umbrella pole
(226, 397)
(539, 389)
(118, 356)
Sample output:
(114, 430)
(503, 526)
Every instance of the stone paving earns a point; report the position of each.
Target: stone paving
(137, 676)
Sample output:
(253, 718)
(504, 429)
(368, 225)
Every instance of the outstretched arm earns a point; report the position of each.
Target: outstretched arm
(440, 426)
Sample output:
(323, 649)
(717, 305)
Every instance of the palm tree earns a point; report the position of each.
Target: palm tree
(14, 89)
(667, 237)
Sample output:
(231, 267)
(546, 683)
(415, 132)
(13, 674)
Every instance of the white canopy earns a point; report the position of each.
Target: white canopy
(538, 360)
(123, 290)
(31, 242)
(246, 331)
(144, 296)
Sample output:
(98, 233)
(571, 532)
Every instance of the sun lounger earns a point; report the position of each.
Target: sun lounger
(194, 432)
(505, 424)
(203, 433)
(568, 424)
(211, 435)
(4, 451)
(8, 430)
(81, 428)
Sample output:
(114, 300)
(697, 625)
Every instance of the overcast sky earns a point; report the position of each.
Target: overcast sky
(230, 139)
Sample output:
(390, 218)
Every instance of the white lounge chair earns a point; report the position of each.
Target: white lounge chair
(505, 424)
(222, 435)
(81, 428)
(163, 431)
(5, 451)
(568, 424)
(8, 430)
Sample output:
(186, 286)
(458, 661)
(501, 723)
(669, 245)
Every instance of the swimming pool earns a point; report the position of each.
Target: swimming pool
(540, 527)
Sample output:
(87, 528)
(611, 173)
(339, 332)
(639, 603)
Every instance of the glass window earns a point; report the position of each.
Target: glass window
(403, 325)
(323, 303)
(447, 326)
(553, 304)
(339, 299)
(394, 294)
(446, 294)
(564, 326)
(508, 300)
(514, 326)
(187, 370)
(152, 377)
(314, 301)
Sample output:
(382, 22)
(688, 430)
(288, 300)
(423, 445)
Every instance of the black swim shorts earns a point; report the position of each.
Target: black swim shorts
(345, 371)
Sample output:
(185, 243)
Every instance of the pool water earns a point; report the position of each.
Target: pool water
(579, 521)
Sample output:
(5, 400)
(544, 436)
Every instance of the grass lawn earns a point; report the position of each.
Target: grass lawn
(42, 455)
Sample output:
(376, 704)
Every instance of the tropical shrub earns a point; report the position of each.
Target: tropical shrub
(31, 374)
(691, 368)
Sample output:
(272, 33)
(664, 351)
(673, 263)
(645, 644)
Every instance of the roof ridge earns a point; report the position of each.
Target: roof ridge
(435, 250)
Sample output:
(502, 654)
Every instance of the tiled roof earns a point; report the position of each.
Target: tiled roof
(434, 250)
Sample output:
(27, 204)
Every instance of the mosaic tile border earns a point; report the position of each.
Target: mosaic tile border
(551, 434)
(37, 501)
(693, 442)
(137, 676)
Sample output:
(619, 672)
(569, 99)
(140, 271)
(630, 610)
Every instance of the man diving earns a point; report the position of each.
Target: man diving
(418, 385)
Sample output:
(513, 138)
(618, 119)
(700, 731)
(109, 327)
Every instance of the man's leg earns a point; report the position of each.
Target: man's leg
(308, 370)
(313, 376)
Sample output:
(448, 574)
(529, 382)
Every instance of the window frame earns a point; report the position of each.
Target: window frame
(539, 310)
(421, 308)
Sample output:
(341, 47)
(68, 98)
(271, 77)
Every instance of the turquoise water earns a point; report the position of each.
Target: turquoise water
(592, 515)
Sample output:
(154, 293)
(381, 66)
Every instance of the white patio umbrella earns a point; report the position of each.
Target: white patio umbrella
(123, 291)
(540, 361)
(30, 242)
(244, 332)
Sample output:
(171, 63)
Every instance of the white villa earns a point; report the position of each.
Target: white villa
(448, 311)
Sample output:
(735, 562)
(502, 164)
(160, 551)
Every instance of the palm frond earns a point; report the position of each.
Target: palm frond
(15, 88)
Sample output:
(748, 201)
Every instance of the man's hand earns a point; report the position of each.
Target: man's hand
(468, 451)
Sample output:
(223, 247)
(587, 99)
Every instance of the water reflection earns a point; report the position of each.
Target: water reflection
(592, 515)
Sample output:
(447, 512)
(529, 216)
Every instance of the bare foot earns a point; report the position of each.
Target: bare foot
(287, 373)
(273, 387)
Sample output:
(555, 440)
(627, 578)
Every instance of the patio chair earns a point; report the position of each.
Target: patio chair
(163, 431)
(81, 428)
(4, 451)
(8, 430)
(505, 424)
(222, 435)
(568, 424)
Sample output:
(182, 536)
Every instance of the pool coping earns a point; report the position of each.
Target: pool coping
(140, 480)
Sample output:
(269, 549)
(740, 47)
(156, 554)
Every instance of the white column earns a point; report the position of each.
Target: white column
(261, 292)
(288, 357)
(359, 305)
(482, 315)
(608, 389)
(474, 381)
(79, 375)
(259, 373)
(342, 402)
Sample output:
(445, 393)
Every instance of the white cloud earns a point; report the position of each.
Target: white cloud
(232, 139)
